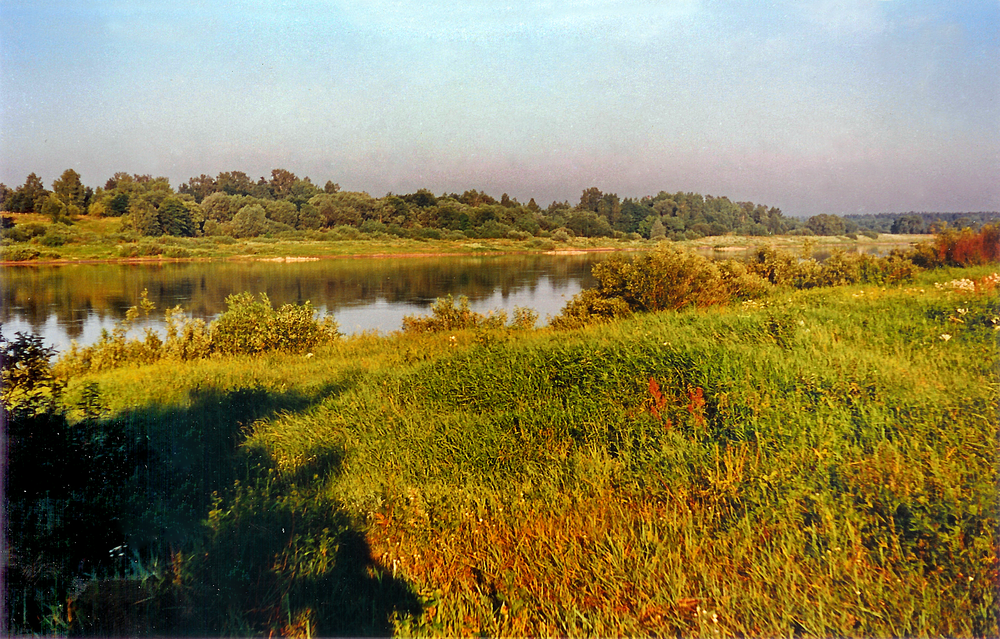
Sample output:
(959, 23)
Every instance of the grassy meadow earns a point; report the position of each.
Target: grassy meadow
(104, 239)
(812, 462)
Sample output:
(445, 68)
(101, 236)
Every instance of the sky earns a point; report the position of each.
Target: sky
(813, 106)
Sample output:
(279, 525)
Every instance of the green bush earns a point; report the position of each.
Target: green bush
(250, 326)
(345, 232)
(446, 316)
(777, 267)
(177, 252)
(665, 279)
(589, 306)
(28, 384)
(56, 236)
(24, 232)
(247, 327)
(18, 253)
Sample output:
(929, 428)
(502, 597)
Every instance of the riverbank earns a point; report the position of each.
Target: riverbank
(99, 240)
(817, 462)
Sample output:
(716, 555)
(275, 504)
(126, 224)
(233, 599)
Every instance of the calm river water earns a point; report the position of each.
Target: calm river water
(75, 302)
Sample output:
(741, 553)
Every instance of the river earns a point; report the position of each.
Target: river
(77, 301)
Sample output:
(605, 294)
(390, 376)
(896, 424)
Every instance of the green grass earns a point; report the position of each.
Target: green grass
(818, 463)
(103, 239)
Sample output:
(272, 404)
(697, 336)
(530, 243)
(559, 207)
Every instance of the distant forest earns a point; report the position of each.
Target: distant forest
(922, 222)
(233, 204)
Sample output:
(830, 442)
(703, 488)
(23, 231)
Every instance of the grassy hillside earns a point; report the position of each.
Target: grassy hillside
(816, 462)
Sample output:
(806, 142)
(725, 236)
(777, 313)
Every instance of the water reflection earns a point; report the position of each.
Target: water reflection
(75, 302)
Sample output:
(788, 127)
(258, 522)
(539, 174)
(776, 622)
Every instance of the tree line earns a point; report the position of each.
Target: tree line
(233, 204)
(923, 222)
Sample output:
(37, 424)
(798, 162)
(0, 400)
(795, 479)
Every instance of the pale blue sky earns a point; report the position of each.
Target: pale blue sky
(814, 106)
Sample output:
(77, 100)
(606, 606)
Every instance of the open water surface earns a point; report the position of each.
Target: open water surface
(76, 302)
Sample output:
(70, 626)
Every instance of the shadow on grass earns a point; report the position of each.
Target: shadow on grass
(208, 537)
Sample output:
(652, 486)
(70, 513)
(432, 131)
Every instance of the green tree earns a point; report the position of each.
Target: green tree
(283, 211)
(54, 208)
(251, 221)
(143, 217)
(824, 224)
(175, 218)
(199, 187)
(234, 183)
(281, 183)
(70, 189)
(656, 230)
(28, 197)
(590, 198)
(309, 217)
(118, 205)
(588, 224)
(908, 224)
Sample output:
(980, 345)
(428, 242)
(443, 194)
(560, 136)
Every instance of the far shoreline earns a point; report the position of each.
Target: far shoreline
(722, 243)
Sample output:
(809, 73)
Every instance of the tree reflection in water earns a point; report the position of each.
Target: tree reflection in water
(74, 302)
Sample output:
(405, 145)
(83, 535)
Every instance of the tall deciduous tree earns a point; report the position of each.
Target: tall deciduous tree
(234, 183)
(281, 183)
(251, 221)
(175, 218)
(200, 187)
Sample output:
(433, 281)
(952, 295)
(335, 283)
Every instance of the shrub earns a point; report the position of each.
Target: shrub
(777, 267)
(741, 283)
(186, 338)
(18, 253)
(373, 226)
(24, 232)
(853, 268)
(665, 279)
(249, 326)
(446, 316)
(54, 237)
(141, 249)
(967, 247)
(345, 232)
(524, 318)
(28, 385)
(427, 234)
(542, 243)
(588, 307)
